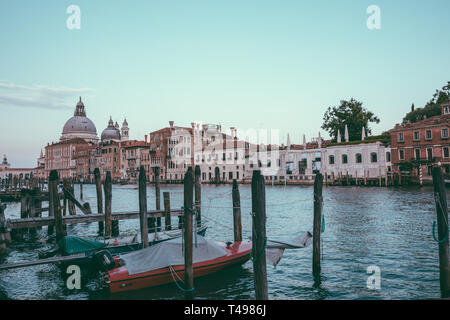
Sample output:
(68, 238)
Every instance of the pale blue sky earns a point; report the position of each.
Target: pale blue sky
(243, 63)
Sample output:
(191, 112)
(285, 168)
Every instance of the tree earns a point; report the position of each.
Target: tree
(350, 113)
(432, 107)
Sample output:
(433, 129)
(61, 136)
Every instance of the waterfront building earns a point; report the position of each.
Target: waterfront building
(288, 164)
(40, 168)
(370, 159)
(60, 156)
(165, 152)
(132, 156)
(6, 172)
(420, 145)
(222, 157)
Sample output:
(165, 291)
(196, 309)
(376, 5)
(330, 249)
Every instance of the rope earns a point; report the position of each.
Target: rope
(434, 234)
(172, 272)
(225, 226)
(261, 253)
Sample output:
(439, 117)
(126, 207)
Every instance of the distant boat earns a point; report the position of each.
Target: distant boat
(163, 263)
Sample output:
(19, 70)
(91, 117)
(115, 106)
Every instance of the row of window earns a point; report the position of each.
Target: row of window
(358, 158)
(428, 135)
(445, 153)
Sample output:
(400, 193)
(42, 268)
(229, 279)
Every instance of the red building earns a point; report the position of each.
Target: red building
(422, 144)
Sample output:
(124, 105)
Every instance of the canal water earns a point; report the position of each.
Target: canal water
(364, 226)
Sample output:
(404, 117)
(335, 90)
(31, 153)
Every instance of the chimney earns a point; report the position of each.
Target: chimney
(232, 132)
(146, 138)
(171, 124)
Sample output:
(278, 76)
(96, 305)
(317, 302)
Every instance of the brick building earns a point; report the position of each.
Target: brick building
(422, 144)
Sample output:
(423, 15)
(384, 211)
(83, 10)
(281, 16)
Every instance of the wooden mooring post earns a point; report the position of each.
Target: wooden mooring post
(143, 206)
(5, 237)
(188, 244)
(443, 231)
(317, 227)
(157, 197)
(237, 220)
(98, 189)
(198, 195)
(259, 239)
(108, 198)
(54, 204)
(167, 219)
(72, 209)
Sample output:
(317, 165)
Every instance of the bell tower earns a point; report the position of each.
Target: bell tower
(125, 130)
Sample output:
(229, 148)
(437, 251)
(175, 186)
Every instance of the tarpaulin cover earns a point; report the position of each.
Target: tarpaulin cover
(275, 248)
(73, 244)
(170, 253)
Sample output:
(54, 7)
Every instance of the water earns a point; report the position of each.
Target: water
(389, 228)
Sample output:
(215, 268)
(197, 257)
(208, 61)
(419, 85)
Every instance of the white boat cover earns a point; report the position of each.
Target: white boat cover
(170, 253)
(275, 248)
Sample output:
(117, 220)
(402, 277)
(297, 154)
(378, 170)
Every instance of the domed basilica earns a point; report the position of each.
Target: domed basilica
(80, 126)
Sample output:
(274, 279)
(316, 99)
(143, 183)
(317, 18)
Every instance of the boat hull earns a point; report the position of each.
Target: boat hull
(118, 280)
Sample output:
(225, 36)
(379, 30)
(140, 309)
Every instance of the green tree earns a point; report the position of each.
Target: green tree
(431, 108)
(352, 114)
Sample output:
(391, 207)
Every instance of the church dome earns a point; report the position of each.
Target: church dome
(111, 132)
(79, 126)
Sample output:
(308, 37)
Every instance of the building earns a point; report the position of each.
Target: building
(79, 126)
(222, 157)
(290, 163)
(61, 156)
(6, 172)
(79, 133)
(132, 153)
(420, 145)
(366, 159)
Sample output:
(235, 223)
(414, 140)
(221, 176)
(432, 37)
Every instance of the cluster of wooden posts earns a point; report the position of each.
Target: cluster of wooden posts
(385, 179)
(10, 188)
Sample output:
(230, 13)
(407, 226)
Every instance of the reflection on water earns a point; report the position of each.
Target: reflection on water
(389, 228)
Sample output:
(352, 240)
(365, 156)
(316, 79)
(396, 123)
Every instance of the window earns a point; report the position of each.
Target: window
(358, 158)
(444, 133)
(230, 175)
(417, 154)
(373, 157)
(416, 136)
(429, 153)
(446, 152)
(344, 158)
(401, 154)
(302, 165)
(428, 135)
(331, 159)
(400, 137)
(388, 157)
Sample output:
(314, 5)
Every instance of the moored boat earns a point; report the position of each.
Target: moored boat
(164, 263)
(71, 245)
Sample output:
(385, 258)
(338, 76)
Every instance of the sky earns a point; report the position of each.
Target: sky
(266, 64)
